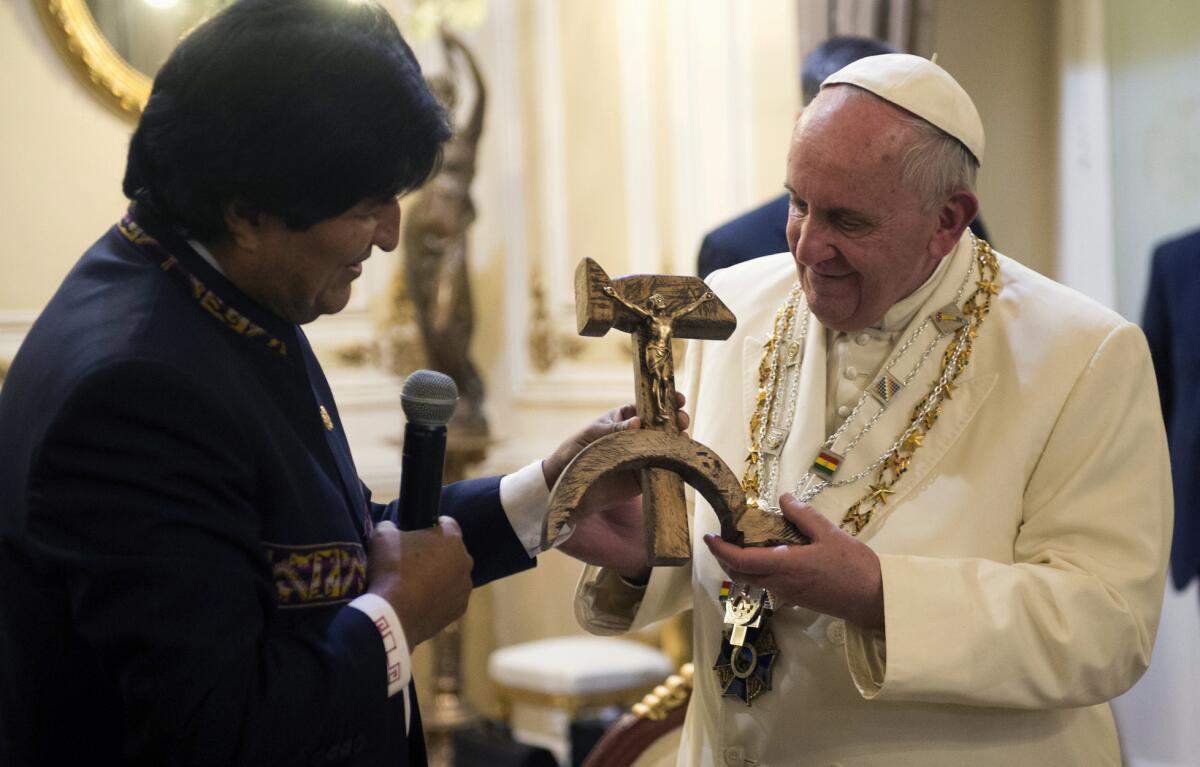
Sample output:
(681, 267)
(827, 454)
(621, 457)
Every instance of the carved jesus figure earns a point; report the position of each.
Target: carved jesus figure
(660, 324)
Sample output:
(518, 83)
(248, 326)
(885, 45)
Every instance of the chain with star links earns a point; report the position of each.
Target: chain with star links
(748, 648)
(768, 435)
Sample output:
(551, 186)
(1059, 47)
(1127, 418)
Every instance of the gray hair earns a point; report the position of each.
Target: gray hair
(936, 164)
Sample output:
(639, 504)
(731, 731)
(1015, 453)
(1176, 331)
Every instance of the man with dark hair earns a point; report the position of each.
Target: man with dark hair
(193, 572)
(762, 231)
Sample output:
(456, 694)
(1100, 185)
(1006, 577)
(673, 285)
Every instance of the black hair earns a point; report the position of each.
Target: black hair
(832, 55)
(295, 108)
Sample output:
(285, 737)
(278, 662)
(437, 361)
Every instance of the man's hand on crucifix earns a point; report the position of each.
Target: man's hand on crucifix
(609, 526)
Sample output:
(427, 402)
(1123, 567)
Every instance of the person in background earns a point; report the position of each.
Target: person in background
(1171, 320)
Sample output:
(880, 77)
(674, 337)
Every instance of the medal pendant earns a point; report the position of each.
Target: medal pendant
(737, 637)
(747, 645)
(744, 672)
(743, 612)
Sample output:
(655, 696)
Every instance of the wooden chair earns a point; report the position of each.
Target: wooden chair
(649, 733)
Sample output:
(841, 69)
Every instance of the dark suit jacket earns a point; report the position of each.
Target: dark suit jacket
(759, 232)
(180, 534)
(1172, 325)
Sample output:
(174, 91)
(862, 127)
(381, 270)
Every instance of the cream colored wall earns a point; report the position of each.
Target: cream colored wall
(62, 155)
(1004, 54)
(1154, 58)
(626, 136)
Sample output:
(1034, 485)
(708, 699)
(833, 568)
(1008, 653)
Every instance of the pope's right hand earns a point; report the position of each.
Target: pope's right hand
(424, 574)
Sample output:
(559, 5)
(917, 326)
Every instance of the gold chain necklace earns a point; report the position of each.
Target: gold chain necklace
(954, 361)
(893, 463)
(748, 650)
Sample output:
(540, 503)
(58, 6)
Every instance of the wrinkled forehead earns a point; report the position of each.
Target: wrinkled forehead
(848, 152)
(845, 110)
(847, 126)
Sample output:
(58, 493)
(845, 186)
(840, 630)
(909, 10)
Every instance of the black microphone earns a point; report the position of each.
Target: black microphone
(428, 399)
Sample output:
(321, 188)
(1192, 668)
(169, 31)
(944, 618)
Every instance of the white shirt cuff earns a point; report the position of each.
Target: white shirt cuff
(399, 663)
(526, 499)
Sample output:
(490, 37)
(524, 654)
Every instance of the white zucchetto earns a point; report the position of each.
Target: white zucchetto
(919, 86)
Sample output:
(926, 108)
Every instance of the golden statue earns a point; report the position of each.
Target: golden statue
(435, 244)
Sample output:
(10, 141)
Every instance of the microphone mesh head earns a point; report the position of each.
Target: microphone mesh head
(428, 398)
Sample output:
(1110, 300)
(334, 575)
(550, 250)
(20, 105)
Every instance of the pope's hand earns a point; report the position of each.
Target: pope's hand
(836, 574)
(609, 526)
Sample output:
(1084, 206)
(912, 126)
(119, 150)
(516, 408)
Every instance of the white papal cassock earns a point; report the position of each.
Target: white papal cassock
(1023, 553)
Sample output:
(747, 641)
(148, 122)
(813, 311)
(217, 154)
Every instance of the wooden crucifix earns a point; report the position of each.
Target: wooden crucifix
(654, 309)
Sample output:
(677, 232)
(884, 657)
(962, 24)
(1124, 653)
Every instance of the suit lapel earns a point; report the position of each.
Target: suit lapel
(968, 398)
(333, 435)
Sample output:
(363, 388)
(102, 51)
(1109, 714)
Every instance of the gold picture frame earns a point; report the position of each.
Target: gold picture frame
(89, 53)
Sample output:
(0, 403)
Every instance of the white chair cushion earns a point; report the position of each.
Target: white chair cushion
(578, 665)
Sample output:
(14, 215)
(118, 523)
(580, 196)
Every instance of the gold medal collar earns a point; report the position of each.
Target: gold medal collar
(748, 648)
(962, 323)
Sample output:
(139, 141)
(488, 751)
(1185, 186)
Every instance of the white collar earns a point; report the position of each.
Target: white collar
(903, 311)
(207, 255)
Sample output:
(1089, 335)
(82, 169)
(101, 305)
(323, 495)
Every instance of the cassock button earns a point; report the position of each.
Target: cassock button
(836, 632)
(851, 372)
(862, 339)
(844, 411)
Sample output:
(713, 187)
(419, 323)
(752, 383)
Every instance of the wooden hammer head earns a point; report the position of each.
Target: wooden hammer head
(596, 312)
(594, 309)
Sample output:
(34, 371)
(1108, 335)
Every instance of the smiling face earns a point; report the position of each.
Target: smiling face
(861, 237)
(300, 275)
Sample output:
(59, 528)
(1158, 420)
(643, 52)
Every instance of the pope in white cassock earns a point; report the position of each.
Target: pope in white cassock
(976, 452)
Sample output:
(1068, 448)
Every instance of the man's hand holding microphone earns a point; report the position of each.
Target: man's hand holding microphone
(421, 566)
(418, 562)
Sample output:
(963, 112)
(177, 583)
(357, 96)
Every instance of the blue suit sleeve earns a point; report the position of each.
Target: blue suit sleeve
(1156, 323)
(487, 533)
(759, 232)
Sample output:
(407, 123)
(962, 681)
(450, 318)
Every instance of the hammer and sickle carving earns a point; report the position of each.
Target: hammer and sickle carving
(654, 309)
